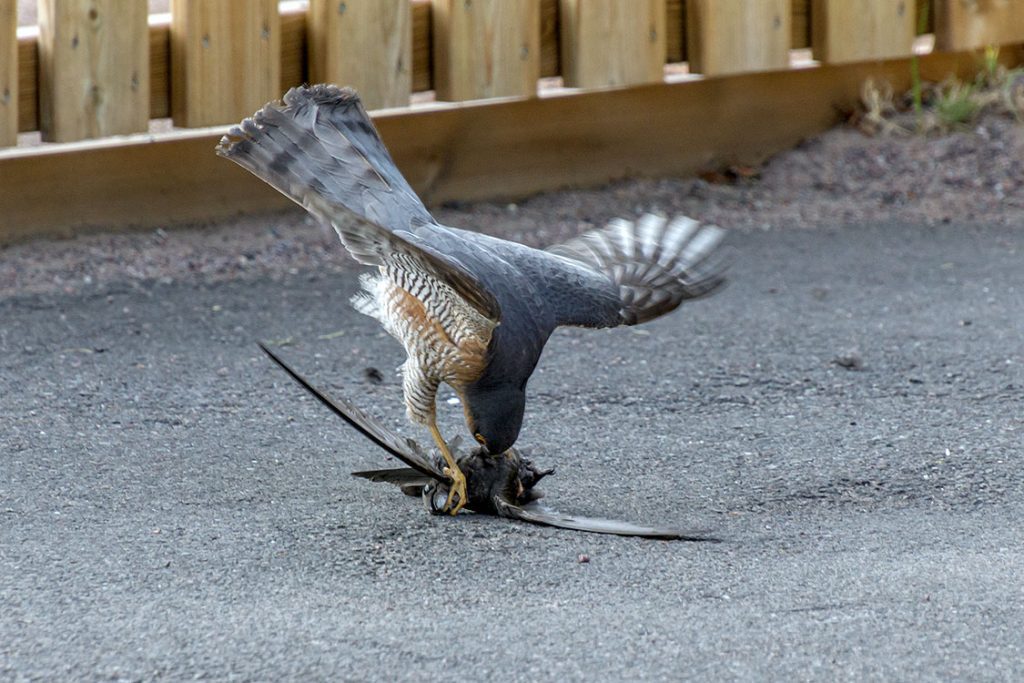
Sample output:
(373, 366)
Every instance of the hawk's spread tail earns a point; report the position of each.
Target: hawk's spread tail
(320, 148)
(656, 263)
(320, 141)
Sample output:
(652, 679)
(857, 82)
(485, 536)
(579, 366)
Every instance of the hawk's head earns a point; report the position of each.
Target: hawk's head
(495, 415)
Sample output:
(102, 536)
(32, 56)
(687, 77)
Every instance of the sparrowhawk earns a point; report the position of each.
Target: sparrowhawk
(471, 310)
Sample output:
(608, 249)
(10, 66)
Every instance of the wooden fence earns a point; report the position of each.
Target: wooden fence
(100, 68)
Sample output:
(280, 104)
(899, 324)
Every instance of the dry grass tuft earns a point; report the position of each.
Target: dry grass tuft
(941, 107)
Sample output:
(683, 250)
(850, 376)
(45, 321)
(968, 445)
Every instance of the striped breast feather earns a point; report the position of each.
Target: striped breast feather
(376, 245)
(656, 263)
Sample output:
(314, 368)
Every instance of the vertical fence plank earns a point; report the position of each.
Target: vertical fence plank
(225, 59)
(93, 68)
(486, 48)
(613, 42)
(970, 25)
(737, 36)
(8, 72)
(845, 31)
(366, 44)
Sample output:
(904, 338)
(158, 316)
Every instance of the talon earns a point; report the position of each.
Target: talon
(457, 488)
(458, 485)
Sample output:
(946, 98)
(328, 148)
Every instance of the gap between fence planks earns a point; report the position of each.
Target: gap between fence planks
(480, 150)
(8, 72)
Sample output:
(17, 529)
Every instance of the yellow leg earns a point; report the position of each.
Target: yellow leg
(458, 486)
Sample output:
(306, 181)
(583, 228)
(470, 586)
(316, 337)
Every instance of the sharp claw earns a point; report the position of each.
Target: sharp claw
(456, 492)
(452, 471)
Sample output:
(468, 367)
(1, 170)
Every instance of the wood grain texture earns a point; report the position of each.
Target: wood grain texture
(8, 72)
(973, 24)
(293, 52)
(293, 65)
(486, 48)
(676, 28)
(225, 59)
(612, 42)
(487, 150)
(738, 36)
(93, 68)
(366, 44)
(846, 31)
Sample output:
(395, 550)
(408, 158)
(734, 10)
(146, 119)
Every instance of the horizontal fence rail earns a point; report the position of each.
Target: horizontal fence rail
(95, 70)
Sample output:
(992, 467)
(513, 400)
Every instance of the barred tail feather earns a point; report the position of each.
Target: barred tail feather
(320, 141)
(656, 263)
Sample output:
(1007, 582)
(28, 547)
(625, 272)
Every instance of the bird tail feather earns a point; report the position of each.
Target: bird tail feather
(319, 140)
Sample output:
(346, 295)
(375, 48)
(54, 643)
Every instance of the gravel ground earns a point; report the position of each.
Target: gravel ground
(847, 414)
(840, 178)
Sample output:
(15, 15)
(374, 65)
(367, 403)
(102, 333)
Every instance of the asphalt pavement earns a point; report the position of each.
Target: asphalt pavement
(847, 415)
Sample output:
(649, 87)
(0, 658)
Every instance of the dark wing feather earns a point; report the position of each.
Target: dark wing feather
(405, 449)
(319, 148)
(535, 513)
(655, 263)
(399, 476)
(412, 482)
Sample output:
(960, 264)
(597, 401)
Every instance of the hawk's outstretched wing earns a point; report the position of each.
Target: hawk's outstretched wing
(655, 263)
(319, 148)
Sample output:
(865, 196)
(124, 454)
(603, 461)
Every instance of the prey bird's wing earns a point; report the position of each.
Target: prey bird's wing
(404, 449)
(319, 148)
(535, 513)
(412, 482)
(399, 476)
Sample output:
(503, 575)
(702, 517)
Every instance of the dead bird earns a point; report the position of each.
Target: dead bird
(503, 485)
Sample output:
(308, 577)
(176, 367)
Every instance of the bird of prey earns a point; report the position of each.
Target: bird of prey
(472, 311)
